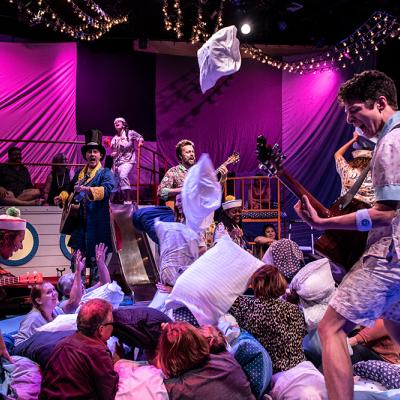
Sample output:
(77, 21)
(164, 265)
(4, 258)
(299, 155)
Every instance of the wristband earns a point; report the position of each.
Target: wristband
(363, 220)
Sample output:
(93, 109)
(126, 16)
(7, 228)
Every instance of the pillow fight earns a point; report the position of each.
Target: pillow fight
(223, 323)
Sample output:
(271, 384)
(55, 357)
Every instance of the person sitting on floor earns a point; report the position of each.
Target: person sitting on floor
(280, 327)
(192, 372)
(15, 182)
(374, 343)
(44, 298)
(81, 366)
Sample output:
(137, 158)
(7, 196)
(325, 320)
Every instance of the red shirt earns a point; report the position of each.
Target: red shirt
(80, 368)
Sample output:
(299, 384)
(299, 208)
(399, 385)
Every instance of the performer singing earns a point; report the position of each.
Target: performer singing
(92, 187)
(371, 290)
(123, 154)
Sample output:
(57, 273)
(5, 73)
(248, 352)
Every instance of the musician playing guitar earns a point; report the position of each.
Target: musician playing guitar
(371, 289)
(91, 187)
(172, 183)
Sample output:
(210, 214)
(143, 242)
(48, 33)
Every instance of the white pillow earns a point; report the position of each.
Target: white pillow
(63, 322)
(111, 292)
(201, 194)
(219, 56)
(214, 281)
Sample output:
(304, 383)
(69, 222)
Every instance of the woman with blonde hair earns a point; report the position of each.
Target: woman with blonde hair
(192, 372)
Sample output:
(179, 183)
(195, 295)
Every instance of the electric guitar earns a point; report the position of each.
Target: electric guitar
(29, 279)
(342, 247)
(232, 159)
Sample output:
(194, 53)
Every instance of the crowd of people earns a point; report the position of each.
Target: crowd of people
(275, 328)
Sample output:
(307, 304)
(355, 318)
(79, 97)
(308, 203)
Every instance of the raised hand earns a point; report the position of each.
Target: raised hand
(80, 262)
(101, 251)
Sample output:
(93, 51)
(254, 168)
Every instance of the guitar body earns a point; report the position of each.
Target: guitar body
(70, 219)
(343, 248)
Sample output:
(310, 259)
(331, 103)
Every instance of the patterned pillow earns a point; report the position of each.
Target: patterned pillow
(255, 362)
(380, 371)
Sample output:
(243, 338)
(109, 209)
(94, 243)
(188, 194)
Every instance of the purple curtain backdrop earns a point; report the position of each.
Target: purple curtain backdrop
(226, 118)
(37, 100)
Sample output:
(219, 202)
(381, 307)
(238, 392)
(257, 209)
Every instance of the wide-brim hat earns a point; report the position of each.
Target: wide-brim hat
(361, 153)
(93, 140)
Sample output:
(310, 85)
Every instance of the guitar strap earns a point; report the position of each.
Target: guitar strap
(357, 184)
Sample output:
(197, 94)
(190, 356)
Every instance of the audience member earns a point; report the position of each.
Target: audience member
(12, 234)
(44, 298)
(374, 343)
(66, 282)
(280, 327)
(58, 179)
(81, 366)
(15, 182)
(258, 194)
(269, 236)
(285, 255)
(192, 372)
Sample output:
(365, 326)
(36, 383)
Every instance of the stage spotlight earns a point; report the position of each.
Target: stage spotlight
(245, 29)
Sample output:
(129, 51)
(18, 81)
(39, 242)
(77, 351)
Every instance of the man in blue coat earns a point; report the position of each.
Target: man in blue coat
(91, 187)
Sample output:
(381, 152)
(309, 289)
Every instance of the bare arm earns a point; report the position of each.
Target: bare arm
(346, 146)
(104, 274)
(381, 214)
(76, 290)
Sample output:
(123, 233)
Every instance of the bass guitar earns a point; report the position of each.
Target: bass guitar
(342, 247)
(232, 159)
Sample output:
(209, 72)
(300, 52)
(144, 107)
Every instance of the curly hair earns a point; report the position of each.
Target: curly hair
(367, 87)
(268, 282)
(181, 347)
(180, 145)
(359, 162)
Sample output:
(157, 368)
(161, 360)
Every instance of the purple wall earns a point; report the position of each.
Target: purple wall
(228, 117)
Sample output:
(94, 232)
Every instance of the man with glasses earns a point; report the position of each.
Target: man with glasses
(81, 365)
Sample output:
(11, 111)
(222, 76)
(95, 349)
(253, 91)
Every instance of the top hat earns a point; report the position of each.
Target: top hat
(93, 138)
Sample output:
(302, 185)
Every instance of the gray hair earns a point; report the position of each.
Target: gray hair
(65, 283)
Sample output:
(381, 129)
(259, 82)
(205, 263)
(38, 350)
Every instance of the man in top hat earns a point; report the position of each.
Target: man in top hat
(349, 171)
(92, 187)
(231, 222)
(12, 234)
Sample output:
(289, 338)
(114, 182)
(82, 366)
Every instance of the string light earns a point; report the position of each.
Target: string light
(168, 25)
(199, 29)
(366, 39)
(219, 23)
(90, 28)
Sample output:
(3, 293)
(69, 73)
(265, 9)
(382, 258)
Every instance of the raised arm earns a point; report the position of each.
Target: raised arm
(340, 153)
(75, 295)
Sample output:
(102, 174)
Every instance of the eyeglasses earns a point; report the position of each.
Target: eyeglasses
(108, 323)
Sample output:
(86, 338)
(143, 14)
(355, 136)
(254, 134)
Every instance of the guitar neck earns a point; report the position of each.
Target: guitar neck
(9, 280)
(299, 191)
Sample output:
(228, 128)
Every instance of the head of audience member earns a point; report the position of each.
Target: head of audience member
(181, 347)
(185, 152)
(95, 319)
(215, 338)
(12, 232)
(285, 255)
(369, 99)
(14, 155)
(65, 283)
(120, 125)
(45, 299)
(59, 158)
(269, 231)
(258, 184)
(233, 209)
(268, 283)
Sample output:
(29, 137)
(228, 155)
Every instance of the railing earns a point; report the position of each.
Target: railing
(154, 172)
(268, 199)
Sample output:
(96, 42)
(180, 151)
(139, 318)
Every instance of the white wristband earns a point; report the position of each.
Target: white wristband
(363, 220)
